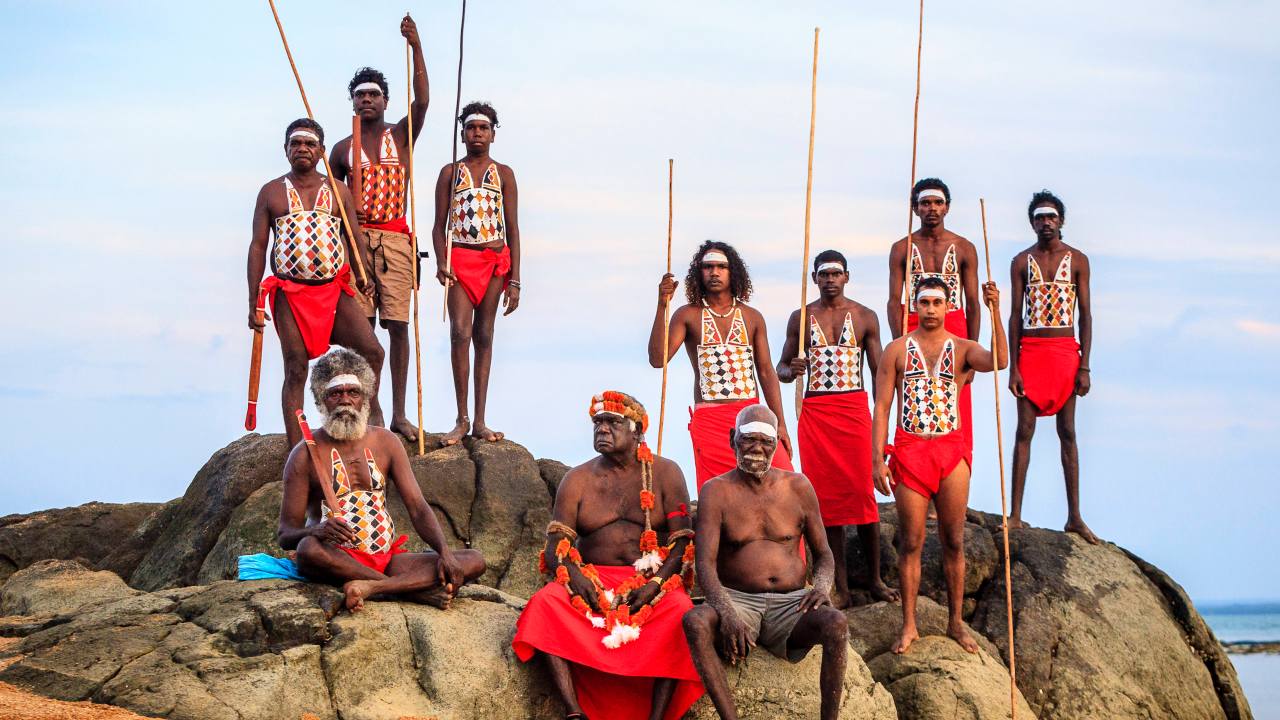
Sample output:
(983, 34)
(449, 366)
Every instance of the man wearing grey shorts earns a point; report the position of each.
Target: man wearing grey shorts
(751, 524)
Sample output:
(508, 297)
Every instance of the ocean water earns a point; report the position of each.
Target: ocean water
(1259, 673)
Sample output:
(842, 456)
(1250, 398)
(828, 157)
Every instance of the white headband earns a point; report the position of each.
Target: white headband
(343, 381)
(476, 116)
(1043, 211)
(304, 133)
(367, 86)
(931, 293)
(714, 256)
(830, 266)
(758, 427)
(931, 192)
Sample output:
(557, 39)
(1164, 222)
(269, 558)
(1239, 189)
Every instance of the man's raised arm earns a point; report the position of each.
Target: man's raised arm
(675, 338)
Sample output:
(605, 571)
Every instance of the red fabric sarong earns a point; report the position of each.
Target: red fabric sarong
(377, 561)
(614, 684)
(921, 463)
(313, 306)
(474, 268)
(956, 323)
(395, 225)
(1048, 366)
(834, 442)
(709, 426)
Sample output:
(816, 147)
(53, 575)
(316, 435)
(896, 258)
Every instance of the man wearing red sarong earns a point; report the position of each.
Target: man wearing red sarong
(931, 459)
(834, 428)
(1049, 369)
(728, 347)
(476, 211)
(620, 550)
(309, 291)
(939, 253)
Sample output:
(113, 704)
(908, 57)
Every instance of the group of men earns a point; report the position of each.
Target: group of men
(313, 229)
(615, 623)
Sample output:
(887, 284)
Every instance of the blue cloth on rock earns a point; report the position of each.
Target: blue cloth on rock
(266, 567)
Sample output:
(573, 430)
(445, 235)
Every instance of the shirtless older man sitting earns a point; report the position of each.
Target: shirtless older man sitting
(355, 545)
(751, 522)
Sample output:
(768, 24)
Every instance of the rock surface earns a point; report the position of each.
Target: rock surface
(88, 532)
(938, 679)
(59, 587)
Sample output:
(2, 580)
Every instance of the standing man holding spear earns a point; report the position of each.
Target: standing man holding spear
(380, 186)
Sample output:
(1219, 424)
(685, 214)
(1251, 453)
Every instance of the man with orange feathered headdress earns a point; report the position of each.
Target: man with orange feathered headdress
(620, 550)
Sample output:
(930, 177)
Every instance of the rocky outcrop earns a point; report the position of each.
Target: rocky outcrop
(938, 679)
(1095, 637)
(59, 587)
(88, 533)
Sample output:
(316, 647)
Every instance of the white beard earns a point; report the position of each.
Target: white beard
(753, 466)
(347, 423)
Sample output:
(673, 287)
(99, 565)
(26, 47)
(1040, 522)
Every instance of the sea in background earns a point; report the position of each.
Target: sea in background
(1259, 673)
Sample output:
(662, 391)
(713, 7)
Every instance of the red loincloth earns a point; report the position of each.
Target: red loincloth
(1049, 366)
(709, 426)
(313, 306)
(614, 684)
(921, 463)
(396, 225)
(834, 442)
(377, 561)
(474, 269)
(957, 324)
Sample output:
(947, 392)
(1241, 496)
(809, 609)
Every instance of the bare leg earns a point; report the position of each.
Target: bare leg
(835, 539)
(482, 335)
(323, 562)
(1021, 459)
(399, 332)
(952, 498)
(701, 626)
(562, 678)
(912, 507)
(869, 538)
(294, 353)
(1071, 470)
(828, 627)
(663, 689)
(461, 317)
(352, 329)
(409, 574)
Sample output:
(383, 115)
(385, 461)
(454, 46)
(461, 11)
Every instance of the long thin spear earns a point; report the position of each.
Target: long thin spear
(453, 148)
(413, 244)
(342, 207)
(801, 331)
(915, 133)
(666, 305)
(1004, 517)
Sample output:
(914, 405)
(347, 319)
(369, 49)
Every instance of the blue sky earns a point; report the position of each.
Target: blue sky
(141, 132)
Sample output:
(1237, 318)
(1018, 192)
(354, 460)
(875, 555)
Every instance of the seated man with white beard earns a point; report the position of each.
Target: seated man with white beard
(356, 547)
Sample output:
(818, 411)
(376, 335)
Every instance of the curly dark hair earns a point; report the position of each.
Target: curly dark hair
(368, 74)
(1042, 197)
(482, 107)
(739, 276)
(307, 123)
(929, 184)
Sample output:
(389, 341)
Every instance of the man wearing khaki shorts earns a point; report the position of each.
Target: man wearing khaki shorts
(381, 197)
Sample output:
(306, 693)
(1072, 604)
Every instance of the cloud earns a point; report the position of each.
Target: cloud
(1258, 328)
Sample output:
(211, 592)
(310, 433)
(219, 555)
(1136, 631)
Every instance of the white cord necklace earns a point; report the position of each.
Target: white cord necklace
(727, 313)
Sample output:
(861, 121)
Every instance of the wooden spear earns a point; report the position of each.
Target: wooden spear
(666, 307)
(355, 251)
(255, 365)
(413, 244)
(453, 148)
(322, 469)
(802, 331)
(1004, 517)
(915, 133)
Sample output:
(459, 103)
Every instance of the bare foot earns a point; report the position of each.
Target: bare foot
(840, 600)
(484, 433)
(356, 591)
(436, 597)
(883, 592)
(909, 635)
(957, 632)
(1017, 523)
(406, 429)
(1078, 527)
(454, 435)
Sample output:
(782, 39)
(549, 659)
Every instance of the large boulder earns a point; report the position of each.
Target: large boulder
(59, 587)
(87, 533)
(936, 678)
(193, 526)
(510, 515)
(1096, 638)
(874, 628)
(251, 529)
